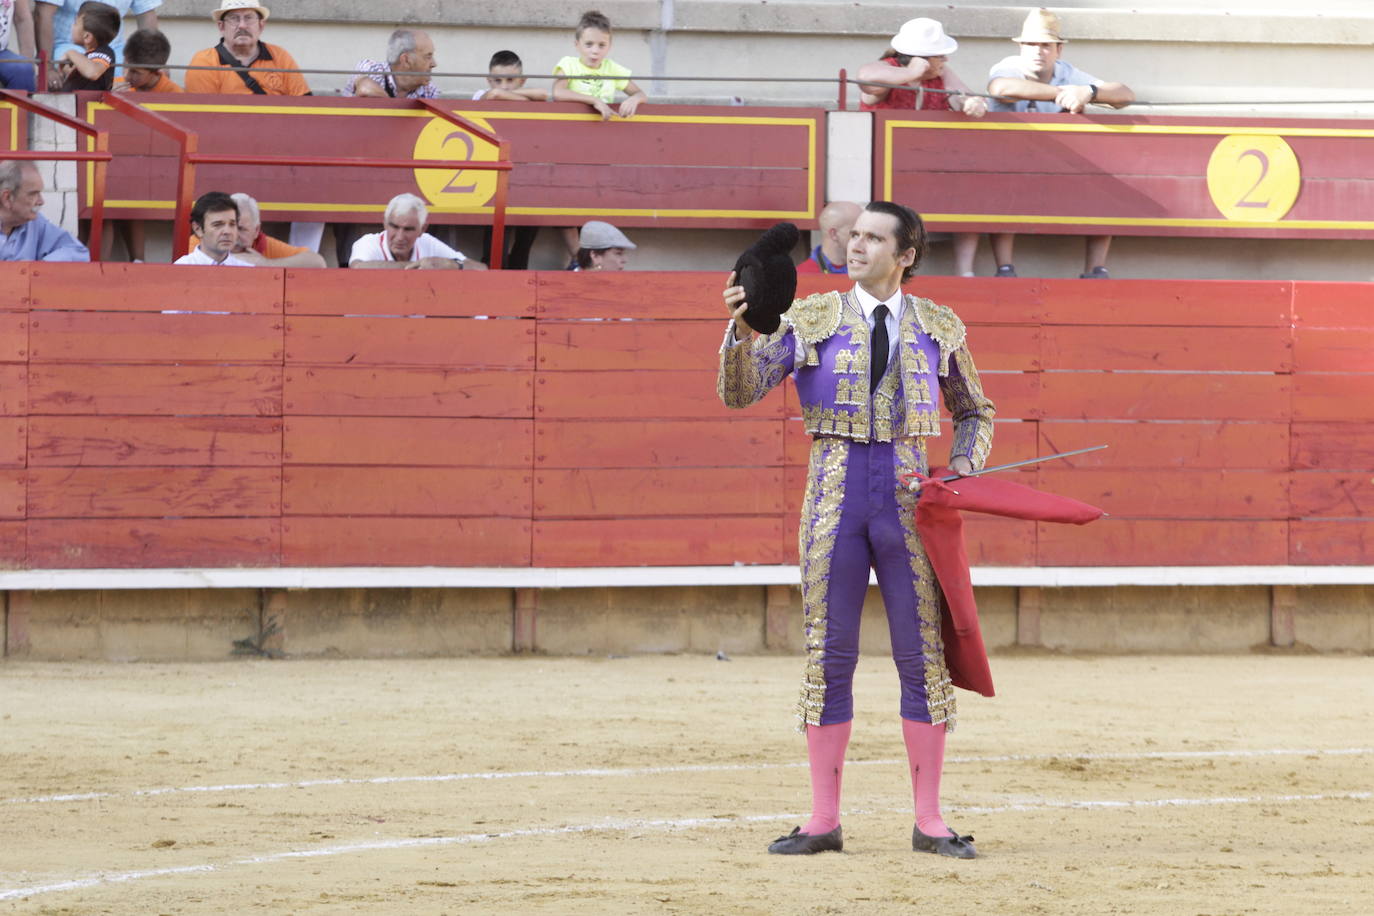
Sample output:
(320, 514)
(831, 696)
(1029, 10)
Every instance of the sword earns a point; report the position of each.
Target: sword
(1020, 464)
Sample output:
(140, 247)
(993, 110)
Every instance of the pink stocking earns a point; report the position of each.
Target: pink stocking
(925, 754)
(825, 747)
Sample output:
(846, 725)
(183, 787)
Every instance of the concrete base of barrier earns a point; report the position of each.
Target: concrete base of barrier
(209, 624)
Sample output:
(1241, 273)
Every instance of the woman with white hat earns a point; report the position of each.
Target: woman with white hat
(916, 60)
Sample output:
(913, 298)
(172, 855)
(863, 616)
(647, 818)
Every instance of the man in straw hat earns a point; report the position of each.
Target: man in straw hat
(1038, 79)
(245, 63)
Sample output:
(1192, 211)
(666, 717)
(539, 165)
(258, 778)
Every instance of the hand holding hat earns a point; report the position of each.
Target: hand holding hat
(769, 277)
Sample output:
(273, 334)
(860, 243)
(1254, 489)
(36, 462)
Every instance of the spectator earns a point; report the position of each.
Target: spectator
(91, 67)
(917, 58)
(240, 52)
(17, 16)
(506, 81)
(830, 256)
(593, 43)
(410, 59)
(1038, 80)
(145, 55)
(54, 25)
(602, 246)
(403, 243)
(215, 219)
(28, 236)
(260, 249)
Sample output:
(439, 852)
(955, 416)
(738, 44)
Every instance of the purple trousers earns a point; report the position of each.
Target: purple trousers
(857, 515)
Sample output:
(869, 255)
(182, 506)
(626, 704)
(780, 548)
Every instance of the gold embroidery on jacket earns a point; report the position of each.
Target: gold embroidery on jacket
(820, 519)
(814, 319)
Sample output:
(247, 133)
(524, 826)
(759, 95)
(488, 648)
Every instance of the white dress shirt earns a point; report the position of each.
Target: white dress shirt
(894, 304)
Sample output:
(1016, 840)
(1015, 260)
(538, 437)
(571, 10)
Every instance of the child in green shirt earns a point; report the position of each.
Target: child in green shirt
(593, 43)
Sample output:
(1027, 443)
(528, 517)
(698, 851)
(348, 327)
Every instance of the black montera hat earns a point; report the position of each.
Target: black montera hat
(769, 277)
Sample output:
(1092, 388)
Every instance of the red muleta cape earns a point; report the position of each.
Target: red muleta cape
(942, 534)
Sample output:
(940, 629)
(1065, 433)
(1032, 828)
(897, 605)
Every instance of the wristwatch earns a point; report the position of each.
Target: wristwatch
(1093, 97)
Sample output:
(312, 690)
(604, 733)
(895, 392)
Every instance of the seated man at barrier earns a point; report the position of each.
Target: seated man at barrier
(1039, 80)
(243, 63)
(836, 219)
(260, 249)
(28, 236)
(601, 246)
(405, 75)
(215, 220)
(403, 243)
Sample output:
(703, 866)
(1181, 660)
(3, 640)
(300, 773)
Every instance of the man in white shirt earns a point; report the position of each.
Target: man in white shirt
(403, 243)
(215, 218)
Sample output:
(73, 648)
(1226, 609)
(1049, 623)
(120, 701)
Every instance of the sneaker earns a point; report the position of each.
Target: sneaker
(1005, 270)
(1097, 273)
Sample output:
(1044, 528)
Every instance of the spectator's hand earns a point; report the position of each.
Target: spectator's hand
(252, 256)
(470, 264)
(629, 106)
(603, 109)
(1073, 98)
(736, 306)
(435, 264)
(919, 67)
(121, 86)
(975, 106)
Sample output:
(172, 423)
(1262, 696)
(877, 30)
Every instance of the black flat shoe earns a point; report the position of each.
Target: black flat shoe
(956, 847)
(797, 843)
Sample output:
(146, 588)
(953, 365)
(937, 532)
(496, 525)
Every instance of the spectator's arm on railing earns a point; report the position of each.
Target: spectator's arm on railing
(963, 99)
(884, 72)
(561, 93)
(366, 87)
(43, 31)
(637, 97)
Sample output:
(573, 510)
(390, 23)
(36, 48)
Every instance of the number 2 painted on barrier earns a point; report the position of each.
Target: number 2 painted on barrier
(468, 147)
(1245, 200)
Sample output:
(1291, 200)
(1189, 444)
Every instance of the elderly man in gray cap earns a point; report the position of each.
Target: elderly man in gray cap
(601, 246)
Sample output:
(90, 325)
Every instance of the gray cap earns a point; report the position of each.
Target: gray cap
(597, 236)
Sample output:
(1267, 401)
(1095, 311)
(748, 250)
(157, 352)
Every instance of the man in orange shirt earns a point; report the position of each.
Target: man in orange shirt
(259, 248)
(245, 65)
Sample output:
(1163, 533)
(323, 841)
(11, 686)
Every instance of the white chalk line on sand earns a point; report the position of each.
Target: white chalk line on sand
(669, 770)
(617, 825)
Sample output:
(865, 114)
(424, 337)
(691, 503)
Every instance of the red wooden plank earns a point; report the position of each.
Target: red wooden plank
(394, 341)
(387, 392)
(1254, 446)
(645, 345)
(158, 390)
(14, 285)
(154, 492)
(658, 542)
(639, 395)
(1005, 348)
(1333, 494)
(1174, 493)
(1155, 396)
(13, 487)
(1204, 349)
(1331, 543)
(13, 545)
(1333, 397)
(14, 337)
(650, 443)
(140, 337)
(632, 294)
(1333, 446)
(1164, 542)
(638, 492)
(409, 441)
(1332, 305)
(14, 383)
(153, 543)
(427, 292)
(406, 542)
(402, 491)
(1179, 303)
(154, 441)
(1016, 395)
(1334, 349)
(14, 434)
(111, 287)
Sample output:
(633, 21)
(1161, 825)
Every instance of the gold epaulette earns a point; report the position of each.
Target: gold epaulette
(813, 319)
(943, 326)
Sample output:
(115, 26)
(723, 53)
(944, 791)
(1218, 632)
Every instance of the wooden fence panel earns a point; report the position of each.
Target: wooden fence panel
(153, 543)
(110, 287)
(445, 293)
(410, 442)
(14, 337)
(398, 341)
(14, 434)
(13, 490)
(134, 337)
(114, 441)
(409, 541)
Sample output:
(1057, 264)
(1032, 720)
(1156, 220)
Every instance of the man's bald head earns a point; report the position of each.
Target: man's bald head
(839, 215)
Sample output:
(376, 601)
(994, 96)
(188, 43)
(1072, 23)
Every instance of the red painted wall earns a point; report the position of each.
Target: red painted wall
(154, 416)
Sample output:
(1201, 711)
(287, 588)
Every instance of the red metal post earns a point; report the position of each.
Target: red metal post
(498, 216)
(188, 143)
(844, 86)
(102, 145)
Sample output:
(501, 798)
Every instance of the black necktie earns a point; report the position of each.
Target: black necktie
(878, 357)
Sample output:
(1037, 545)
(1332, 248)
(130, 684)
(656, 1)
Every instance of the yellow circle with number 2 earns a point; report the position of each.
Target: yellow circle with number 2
(1255, 178)
(455, 189)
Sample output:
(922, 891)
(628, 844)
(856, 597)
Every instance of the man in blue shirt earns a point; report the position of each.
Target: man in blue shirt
(1038, 79)
(25, 234)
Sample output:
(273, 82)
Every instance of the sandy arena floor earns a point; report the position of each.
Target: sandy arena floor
(1195, 785)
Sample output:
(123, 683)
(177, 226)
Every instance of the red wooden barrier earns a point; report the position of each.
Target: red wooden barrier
(154, 416)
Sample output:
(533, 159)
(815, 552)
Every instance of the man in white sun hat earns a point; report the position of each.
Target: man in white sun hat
(246, 65)
(916, 59)
(1038, 79)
